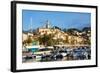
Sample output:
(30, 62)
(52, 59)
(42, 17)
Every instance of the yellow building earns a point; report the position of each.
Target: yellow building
(43, 31)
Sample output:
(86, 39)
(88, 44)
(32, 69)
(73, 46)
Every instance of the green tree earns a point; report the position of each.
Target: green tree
(29, 40)
(43, 39)
(71, 31)
(46, 40)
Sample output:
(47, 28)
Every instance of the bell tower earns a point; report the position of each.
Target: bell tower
(47, 24)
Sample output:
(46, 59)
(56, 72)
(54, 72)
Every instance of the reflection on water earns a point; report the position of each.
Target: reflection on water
(56, 54)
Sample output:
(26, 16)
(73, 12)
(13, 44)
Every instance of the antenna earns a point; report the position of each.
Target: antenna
(31, 24)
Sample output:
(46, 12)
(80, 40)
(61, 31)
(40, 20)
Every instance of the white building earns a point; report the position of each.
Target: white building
(24, 36)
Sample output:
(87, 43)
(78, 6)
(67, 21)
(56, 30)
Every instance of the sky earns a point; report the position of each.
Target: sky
(64, 20)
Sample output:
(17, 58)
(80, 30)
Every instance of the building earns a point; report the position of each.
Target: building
(46, 29)
(59, 35)
(24, 36)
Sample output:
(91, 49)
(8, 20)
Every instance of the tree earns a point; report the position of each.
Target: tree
(43, 39)
(66, 41)
(46, 40)
(71, 31)
(86, 29)
(65, 30)
(56, 27)
(29, 40)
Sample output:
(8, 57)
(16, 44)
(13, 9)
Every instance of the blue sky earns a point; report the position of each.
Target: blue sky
(61, 19)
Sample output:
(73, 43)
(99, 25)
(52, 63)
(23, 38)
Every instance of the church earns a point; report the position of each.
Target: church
(45, 29)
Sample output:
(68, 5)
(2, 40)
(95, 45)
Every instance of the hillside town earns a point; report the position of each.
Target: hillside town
(52, 43)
